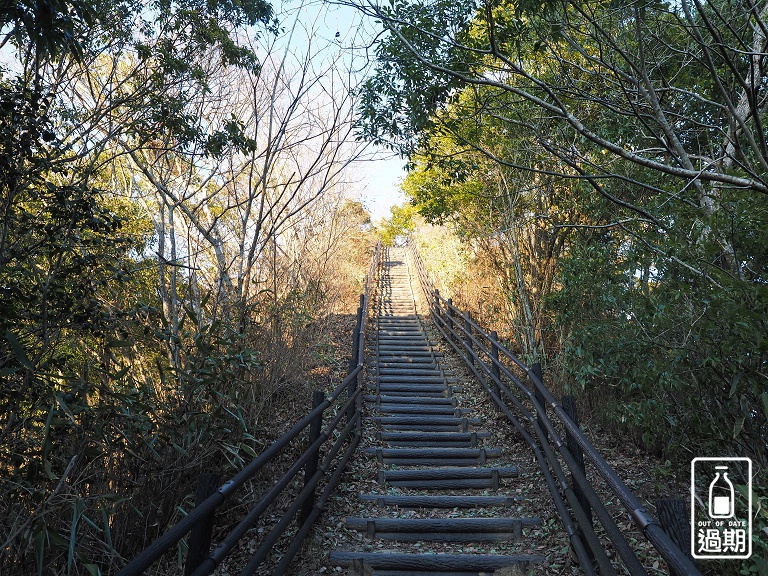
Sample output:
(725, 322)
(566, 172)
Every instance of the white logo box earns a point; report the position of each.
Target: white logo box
(722, 529)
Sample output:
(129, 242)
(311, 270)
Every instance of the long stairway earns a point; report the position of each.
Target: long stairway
(432, 458)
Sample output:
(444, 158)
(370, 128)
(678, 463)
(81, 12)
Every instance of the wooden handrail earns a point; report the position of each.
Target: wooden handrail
(469, 338)
(351, 407)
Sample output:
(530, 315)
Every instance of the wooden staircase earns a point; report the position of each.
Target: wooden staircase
(433, 456)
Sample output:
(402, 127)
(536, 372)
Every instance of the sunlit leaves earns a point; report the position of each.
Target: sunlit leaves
(399, 100)
(398, 225)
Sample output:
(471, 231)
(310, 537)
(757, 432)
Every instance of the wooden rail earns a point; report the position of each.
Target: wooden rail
(518, 391)
(343, 429)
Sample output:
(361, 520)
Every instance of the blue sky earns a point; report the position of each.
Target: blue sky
(381, 185)
(379, 175)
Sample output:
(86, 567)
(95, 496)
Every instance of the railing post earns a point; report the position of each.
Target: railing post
(674, 519)
(355, 347)
(360, 353)
(199, 542)
(536, 369)
(494, 366)
(569, 405)
(450, 313)
(355, 359)
(468, 337)
(311, 467)
(437, 302)
(358, 568)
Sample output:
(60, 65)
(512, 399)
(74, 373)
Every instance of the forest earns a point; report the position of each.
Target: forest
(182, 241)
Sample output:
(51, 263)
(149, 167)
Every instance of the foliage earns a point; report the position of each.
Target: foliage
(447, 258)
(398, 225)
(65, 261)
(58, 28)
(410, 91)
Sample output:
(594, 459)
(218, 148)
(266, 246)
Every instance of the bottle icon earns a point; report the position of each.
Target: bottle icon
(721, 495)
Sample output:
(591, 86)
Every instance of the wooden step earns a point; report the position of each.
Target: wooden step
(381, 399)
(398, 362)
(449, 484)
(406, 340)
(471, 436)
(415, 370)
(447, 479)
(445, 421)
(399, 352)
(431, 562)
(443, 529)
(398, 379)
(407, 352)
(439, 501)
(420, 428)
(386, 399)
(433, 456)
(421, 409)
(423, 573)
(427, 389)
(395, 387)
(445, 473)
(435, 439)
(444, 393)
(431, 443)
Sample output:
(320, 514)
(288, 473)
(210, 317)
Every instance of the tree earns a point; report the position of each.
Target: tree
(514, 218)
(398, 225)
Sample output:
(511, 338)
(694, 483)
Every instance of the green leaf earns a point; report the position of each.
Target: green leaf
(736, 379)
(738, 426)
(39, 545)
(764, 399)
(757, 504)
(93, 570)
(191, 314)
(65, 408)
(118, 375)
(56, 539)
(18, 350)
(47, 445)
(107, 531)
(91, 523)
(49, 470)
(78, 506)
